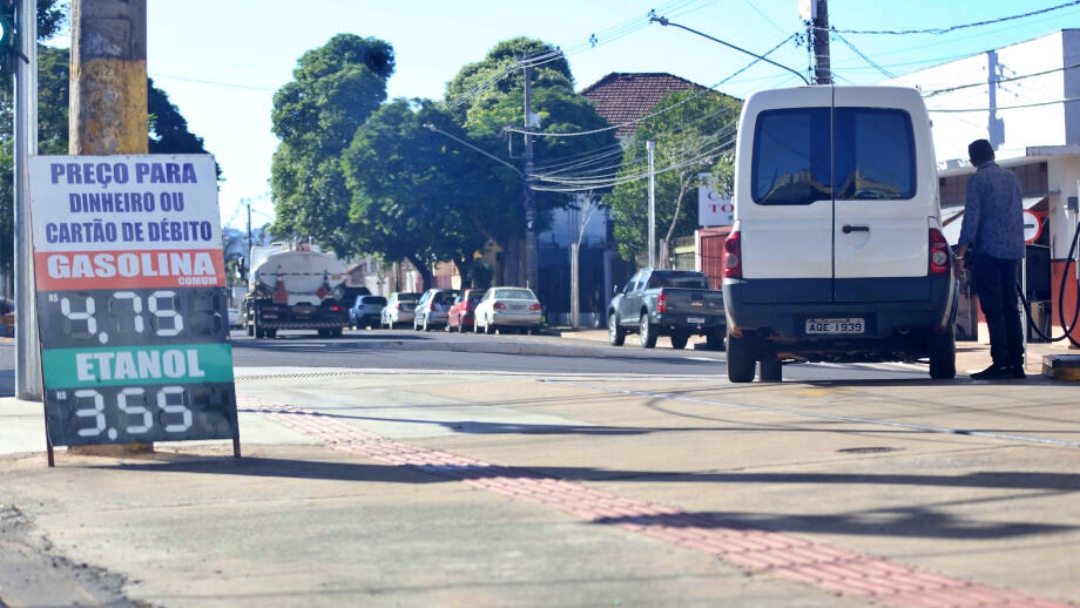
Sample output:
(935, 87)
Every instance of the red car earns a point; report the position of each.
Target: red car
(461, 311)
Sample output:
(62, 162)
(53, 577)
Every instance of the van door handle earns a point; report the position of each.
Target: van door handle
(848, 229)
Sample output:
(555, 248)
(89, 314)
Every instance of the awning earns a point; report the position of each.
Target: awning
(953, 217)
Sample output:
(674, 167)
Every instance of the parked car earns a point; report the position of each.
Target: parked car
(234, 318)
(399, 309)
(460, 315)
(431, 309)
(673, 303)
(837, 251)
(508, 308)
(366, 311)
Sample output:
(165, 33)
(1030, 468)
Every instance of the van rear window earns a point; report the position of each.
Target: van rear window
(874, 156)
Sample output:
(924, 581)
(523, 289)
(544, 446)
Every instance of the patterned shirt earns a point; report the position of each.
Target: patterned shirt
(994, 213)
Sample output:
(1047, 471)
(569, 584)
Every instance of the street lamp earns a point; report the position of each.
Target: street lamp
(665, 21)
(434, 129)
(530, 207)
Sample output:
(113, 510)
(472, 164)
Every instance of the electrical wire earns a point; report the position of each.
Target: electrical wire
(585, 167)
(946, 30)
(869, 61)
(935, 92)
(616, 32)
(703, 91)
(1038, 104)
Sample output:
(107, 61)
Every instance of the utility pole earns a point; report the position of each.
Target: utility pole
(108, 99)
(108, 77)
(650, 146)
(819, 28)
(531, 262)
(28, 383)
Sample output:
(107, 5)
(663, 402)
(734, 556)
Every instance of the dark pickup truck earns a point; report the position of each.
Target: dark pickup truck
(673, 303)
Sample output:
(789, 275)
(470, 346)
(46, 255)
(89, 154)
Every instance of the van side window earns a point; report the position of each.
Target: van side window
(874, 156)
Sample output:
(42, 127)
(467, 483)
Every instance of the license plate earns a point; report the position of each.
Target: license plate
(695, 319)
(836, 326)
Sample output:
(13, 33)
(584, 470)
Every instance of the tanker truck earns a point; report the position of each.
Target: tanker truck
(294, 286)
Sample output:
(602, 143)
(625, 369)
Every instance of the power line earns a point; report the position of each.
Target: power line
(869, 61)
(613, 33)
(934, 92)
(228, 85)
(703, 91)
(1022, 106)
(946, 30)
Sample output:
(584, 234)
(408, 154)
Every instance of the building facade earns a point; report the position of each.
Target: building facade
(1024, 99)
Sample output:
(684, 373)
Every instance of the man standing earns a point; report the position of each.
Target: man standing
(993, 229)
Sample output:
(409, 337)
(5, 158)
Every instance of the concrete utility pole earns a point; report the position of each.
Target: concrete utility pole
(819, 27)
(531, 263)
(108, 98)
(108, 77)
(650, 147)
(27, 348)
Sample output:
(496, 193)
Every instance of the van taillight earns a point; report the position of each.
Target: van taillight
(940, 256)
(661, 302)
(732, 257)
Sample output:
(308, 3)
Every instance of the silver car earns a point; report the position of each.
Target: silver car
(399, 309)
(508, 308)
(432, 309)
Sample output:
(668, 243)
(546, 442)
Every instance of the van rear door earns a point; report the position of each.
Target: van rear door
(784, 200)
(832, 195)
(884, 191)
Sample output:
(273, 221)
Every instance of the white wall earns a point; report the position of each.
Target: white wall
(1062, 174)
(962, 113)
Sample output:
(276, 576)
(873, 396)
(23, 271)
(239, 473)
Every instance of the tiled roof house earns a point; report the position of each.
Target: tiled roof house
(624, 98)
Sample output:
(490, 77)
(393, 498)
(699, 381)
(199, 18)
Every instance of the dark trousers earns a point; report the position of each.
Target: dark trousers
(995, 283)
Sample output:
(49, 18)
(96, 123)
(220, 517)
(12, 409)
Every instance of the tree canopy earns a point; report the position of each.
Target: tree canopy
(414, 187)
(694, 131)
(487, 97)
(335, 88)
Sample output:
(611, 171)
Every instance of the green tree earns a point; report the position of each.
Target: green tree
(51, 17)
(694, 131)
(334, 90)
(405, 184)
(486, 97)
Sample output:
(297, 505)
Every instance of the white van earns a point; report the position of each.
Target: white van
(837, 252)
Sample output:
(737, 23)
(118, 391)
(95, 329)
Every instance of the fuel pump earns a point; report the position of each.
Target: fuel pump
(1072, 259)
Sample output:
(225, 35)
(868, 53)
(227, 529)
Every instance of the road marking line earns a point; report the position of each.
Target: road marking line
(761, 551)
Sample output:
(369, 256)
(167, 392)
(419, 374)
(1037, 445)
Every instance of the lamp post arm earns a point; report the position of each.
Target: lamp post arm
(434, 129)
(665, 21)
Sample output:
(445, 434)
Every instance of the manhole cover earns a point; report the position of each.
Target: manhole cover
(871, 450)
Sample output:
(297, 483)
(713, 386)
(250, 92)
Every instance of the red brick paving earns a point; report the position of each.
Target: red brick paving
(784, 556)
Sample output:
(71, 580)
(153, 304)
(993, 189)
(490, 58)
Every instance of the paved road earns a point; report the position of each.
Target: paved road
(380, 487)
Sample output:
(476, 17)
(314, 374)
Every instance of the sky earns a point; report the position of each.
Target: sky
(220, 61)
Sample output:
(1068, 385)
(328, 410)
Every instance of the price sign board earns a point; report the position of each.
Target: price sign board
(131, 299)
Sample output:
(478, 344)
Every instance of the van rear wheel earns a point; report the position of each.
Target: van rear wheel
(740, 358)
(771, 370)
